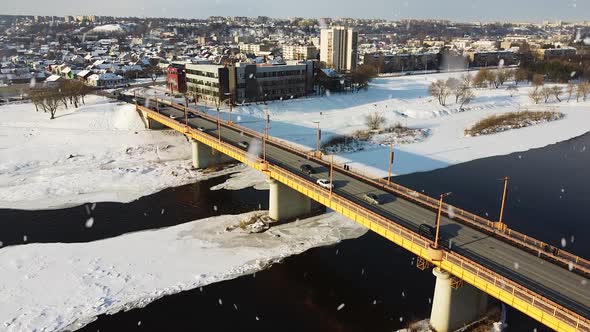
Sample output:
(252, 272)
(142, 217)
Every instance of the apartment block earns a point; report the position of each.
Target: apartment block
(339, 48)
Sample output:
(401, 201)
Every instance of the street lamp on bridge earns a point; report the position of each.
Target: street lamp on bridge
(229, 94)
(500, 224)
(440, 203)
(318, 139)
(390, 162)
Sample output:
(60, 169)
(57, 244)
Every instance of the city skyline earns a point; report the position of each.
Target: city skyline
(454, 10)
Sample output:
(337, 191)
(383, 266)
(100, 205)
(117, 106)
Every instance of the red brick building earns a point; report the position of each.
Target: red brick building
(176, 78)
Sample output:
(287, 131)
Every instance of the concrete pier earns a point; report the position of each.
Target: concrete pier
(455, 308)
(286, 203)
(150, 123)
(205, 156)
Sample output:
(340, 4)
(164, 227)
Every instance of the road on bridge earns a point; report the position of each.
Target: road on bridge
(552, 281)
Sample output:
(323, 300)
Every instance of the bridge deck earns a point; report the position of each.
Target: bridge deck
(538, 275)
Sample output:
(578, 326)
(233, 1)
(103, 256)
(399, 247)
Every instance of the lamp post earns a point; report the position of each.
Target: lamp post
(440, 202)
(186, 111)
(500, 224)
(390, 163)
(265, 137)
(230, 106)
(331, 175)
(218, 124)
(318, 139)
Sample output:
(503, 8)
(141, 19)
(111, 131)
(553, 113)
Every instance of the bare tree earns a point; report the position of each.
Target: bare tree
(440, 90)
(571, 88)
(466, 97)
(374, 121)
(453, 85)
(535, 96)
(48, 99)
(512, 90)
(481, 79)
(556, 91)
(546, 92)
(466, 80)
(503, 75)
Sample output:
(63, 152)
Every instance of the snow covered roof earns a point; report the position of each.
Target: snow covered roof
(83, 73)
(105, 77)
(53, 78)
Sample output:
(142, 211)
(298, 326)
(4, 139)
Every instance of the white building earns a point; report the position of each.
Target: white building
(338, 48)
(106, 80)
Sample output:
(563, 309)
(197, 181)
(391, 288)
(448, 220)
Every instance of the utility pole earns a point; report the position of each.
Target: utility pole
(331, 175)
(390, 163)
(267, 121)
(318, 139)
(440, 203)
(218, 125)
(230, 106)
(186, 111)
(500, 224)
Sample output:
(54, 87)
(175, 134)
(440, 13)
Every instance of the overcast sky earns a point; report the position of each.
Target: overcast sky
(457, 10)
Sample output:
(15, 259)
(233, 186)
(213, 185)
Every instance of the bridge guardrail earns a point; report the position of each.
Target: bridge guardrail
(533, 299)
(452, 262)
(565, 258)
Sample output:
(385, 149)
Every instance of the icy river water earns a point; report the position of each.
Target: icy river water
(365, 284)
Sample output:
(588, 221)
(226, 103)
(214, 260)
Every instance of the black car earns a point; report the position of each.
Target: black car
(427, 231)
(307, 169)
(372, 198)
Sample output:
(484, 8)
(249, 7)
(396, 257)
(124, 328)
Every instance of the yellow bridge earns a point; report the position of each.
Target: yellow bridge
(545, 286)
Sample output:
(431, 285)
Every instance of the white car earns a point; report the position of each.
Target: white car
(325, 183)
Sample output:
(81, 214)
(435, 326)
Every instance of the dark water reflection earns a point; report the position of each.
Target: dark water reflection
(169, 207)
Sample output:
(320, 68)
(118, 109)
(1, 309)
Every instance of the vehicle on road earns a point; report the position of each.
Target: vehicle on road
(191, 115)
(173, 117)
(307, 169)
(324, 183)
(427, 231)
(244, 144)
(200, 129)
(372, 198)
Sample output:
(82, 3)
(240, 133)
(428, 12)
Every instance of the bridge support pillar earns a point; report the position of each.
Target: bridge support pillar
(150, 123)
(454, 307)
(286, 203)
(204, 156)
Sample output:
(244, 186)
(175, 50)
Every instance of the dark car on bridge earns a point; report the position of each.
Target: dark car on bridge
(372, 198)
(307, 169)
(427, 231)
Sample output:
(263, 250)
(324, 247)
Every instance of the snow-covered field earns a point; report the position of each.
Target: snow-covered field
(99, 152)
(405, 100)
(51, 287)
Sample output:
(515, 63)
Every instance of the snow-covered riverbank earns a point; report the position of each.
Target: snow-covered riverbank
(51, 287)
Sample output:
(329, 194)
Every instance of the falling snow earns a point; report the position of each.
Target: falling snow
(340, 307)
(89, 222)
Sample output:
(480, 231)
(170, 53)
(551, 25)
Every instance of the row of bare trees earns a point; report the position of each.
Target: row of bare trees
(50, 98)
(459, 88)
(494, 79)
(580, 91)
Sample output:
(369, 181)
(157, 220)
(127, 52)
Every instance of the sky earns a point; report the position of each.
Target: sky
(456, 10)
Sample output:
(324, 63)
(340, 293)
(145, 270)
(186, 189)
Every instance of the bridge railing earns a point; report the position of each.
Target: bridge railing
(454, 263)
(530, 298)
(566, 259)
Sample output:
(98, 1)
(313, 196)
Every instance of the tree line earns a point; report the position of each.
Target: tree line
(50, 98)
